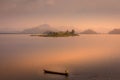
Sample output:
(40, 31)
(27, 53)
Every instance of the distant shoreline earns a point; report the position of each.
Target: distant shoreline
(44, 35)
(78, 34)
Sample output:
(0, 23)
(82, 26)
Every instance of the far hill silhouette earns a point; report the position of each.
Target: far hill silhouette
(115, 31)
(88, 31)
(39, 29)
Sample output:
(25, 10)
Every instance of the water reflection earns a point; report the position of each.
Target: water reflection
(87, 57)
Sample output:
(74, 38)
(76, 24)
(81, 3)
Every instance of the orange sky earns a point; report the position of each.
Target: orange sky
(100, 15)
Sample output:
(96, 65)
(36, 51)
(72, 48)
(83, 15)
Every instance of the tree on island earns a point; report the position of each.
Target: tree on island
(73, 31)
(62, 33)
(67, 32)
(58, 34)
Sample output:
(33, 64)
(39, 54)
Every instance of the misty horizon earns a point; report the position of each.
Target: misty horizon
(101, 16)
(59, 39)
(56, 28)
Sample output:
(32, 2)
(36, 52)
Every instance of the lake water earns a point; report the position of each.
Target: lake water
(87, 57)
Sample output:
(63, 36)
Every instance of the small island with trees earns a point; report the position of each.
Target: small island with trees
(57, 34)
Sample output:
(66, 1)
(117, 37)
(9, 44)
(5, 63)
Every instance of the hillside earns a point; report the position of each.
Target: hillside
(39, 29)
(89, 31)
(115, 31)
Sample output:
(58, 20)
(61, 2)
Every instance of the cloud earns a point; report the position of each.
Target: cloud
(59, 7)
(55, 10)
(50, 2)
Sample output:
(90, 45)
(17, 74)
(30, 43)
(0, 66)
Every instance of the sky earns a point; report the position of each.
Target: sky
(99, 15)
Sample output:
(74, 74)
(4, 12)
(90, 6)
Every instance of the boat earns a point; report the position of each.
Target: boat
(58, 73)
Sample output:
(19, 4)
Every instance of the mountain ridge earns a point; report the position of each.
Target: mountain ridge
(39, 29)
(88, 31)
(114, 31)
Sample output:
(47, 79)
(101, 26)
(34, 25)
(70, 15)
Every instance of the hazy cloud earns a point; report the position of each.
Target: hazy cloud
(50, 2)
(60, 6)
(63, 9)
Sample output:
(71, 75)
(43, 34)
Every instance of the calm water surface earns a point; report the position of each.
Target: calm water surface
(87, 57)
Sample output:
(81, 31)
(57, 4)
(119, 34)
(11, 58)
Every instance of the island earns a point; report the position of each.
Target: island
(58, 34)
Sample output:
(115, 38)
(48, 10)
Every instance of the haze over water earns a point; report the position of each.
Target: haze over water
(87, 57)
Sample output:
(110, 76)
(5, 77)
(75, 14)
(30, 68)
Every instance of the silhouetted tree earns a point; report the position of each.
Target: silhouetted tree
(73, 31)
(67, 32)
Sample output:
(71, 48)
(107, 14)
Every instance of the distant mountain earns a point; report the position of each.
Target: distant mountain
(115, 31)
(39, 29)
(89, 31)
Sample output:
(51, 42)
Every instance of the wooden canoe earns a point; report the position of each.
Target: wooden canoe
(58, 73)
